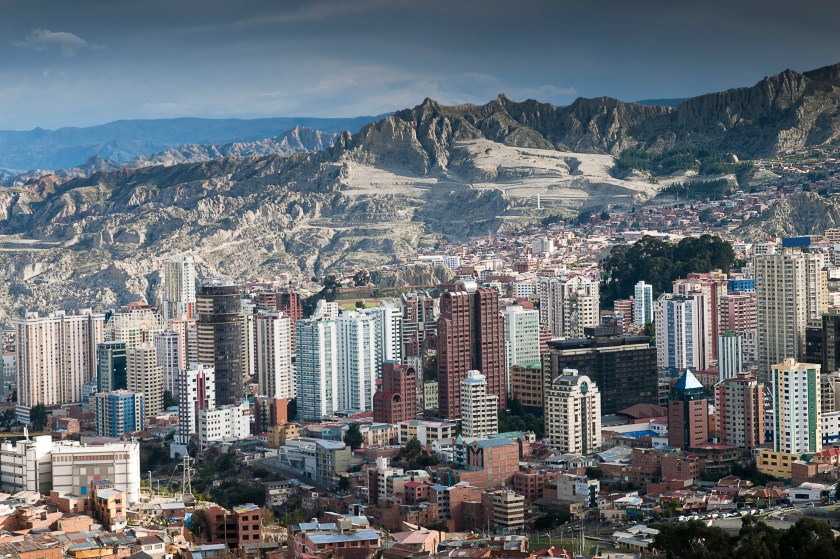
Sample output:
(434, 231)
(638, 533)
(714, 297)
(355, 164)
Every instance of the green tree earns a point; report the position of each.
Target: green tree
(199, 526)
(809, 538)
(38, 417)
(411, 450)
(692, 540)
(168, 400)
(361, 278)
(353, 437)
(344, 484)
(757, 540)
(594, 473)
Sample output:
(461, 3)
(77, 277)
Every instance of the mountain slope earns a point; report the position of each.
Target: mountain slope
(373, 197)
(125, 140)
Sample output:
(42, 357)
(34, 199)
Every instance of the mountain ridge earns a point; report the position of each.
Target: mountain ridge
(402, 182)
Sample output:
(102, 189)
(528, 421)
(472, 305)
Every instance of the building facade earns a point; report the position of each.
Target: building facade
(221, 337)
(573, 413)
(119, 412)
(479, 410)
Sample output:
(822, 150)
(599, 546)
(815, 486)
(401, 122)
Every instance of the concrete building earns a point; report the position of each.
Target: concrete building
(119, 412)
(508, 511)
(76, 466)
(526, 384)
(479, 410)
(575, 488)
(223, 424)
(419, 321)
(679, 333)
(221, 337)
(317, 460)
(26, 465)
(568, 304)
(522, 338)
(426, 431)
(198, 392)
(56, 356)
(643, 304)
(791, 289)
(623, 367)
(317, 364)
(111, 367)
(797, 402)
(470, 337)
(179, 288)
(573, 413)
(145, 376)
(134, 324)
(275, 373)
(358, 361)
(739, 405)
(738, 313)
(168, 351)
(688, 413)
(730, 355)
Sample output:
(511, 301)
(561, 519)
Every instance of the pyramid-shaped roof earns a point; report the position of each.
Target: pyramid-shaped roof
(687, 381)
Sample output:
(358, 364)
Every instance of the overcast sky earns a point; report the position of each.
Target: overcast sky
(83, 62)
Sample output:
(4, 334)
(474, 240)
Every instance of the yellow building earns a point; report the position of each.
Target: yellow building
(278, 434)
(777, 464)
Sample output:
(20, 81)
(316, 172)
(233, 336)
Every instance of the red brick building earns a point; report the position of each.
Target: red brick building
(238, 526)
(688, 413)
(396, 399)
(471, 336)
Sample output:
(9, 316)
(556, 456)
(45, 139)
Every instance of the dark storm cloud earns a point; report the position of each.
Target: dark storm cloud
(87, 61)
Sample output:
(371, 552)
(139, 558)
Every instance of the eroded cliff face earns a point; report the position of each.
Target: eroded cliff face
(806, 213)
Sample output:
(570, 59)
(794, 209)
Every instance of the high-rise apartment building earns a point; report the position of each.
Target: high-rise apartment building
(623, 367)
(738, 314)
(679, 333)
(396, 399)
(709, 290)
(739, 405)
(220, 337)
(688, 413)
(643, 304)
(419, 321)
(522, 338)
(798, 404)
(144, 375)
(569, 304)
(479, 410)
(317, 366)
(187, 340)
(573, 413)
(730, 355)
(168, 350)
(358, 361)
(56, 356)
(289, 303)
(134, 324)
(275, 374)
(198, 392)
(470, 337)
(179, 288)
(118, 412)
(111, 367)
(830, 346)
(791, 289)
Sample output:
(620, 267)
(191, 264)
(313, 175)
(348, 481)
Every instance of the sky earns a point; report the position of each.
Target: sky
(86, 62)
